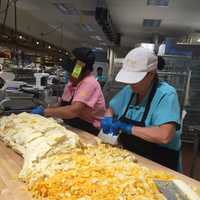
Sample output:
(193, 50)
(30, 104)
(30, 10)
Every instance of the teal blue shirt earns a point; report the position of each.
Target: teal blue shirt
(164, 108)
(101, 78)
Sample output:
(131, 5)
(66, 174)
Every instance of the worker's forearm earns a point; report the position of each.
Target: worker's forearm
(66, 112)
(57, 104)
(154, 134)
(54, 105)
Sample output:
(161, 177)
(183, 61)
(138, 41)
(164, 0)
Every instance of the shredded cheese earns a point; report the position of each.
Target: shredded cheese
(99, 176)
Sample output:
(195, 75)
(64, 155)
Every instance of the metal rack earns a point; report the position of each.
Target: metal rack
(181, 81)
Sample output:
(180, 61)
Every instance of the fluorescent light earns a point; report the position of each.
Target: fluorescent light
(86, 28)
(163, 3)
(62, 8)
(98, 49)
(96, 37)
(103, 44)
(182, 43)
(152, 23)
(67, 9)
(198, 40)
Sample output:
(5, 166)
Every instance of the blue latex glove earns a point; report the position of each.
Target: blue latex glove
(106, 124)
(38, 110)
(124, 127)
(116, 127)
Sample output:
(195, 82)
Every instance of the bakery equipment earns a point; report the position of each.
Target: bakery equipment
(52, 79)
(20, 101)
(41, 80)
(9, 82)
(20, 98)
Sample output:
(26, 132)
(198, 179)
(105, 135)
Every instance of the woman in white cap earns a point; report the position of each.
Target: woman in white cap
(146, 112)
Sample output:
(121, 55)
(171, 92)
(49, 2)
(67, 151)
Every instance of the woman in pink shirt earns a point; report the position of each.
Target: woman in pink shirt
(82, 105)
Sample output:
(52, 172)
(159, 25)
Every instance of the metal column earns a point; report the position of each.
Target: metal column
(111, 63)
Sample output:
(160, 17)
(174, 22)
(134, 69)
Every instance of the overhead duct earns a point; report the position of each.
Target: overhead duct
(103, 18)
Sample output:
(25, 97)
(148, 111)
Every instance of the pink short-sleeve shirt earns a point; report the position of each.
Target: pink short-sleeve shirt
(89, 92)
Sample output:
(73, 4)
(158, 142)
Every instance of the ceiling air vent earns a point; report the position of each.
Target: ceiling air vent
(85, 27)
(157, 2)
(152, 23)
(67, 9)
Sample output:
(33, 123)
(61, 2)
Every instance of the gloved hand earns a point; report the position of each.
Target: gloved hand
(38, 110)
(115, 128)
(106, 124)
(124, 127)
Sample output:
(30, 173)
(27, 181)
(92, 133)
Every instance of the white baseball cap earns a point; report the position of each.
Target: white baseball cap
(137, 63)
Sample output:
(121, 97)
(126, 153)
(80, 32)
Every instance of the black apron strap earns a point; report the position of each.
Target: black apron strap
(150, 99)
(127, 107)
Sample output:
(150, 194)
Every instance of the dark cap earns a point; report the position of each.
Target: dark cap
(83, 54)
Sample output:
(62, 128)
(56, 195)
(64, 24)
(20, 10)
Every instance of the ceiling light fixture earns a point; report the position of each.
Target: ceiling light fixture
(62, 8)
(67, 9)
(20, 37)
(86, 28)
(182, 43)
(49, 47)
(163, 3)
(152, 23)
(98, 49)
(198, 40)
(96, 37)
(103, 44)
(37, 43)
